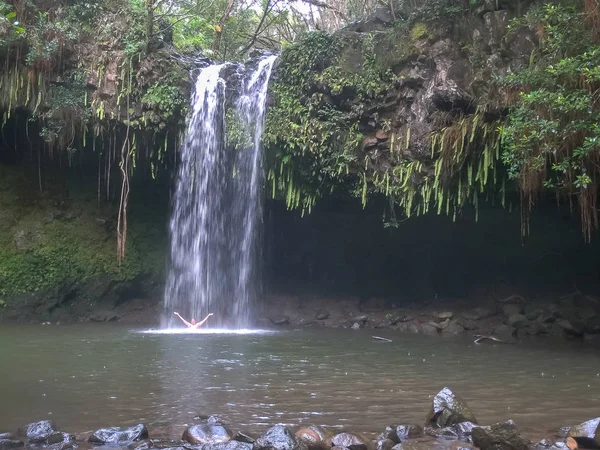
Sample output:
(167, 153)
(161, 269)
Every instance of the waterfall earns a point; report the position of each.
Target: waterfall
(216, 221)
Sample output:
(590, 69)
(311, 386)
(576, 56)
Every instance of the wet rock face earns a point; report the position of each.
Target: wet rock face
(278, 438)
(38, 429)
(449, 409)
(207, 433)
(500, 436)
(586, 433)
(117, 435)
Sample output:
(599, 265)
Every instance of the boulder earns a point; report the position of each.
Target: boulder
(322, 314)
(448, 409)
(351, 441)
(444, 315)
(460, 430)
(517, 321)
(278, 438)
(511, 309)
(504, 332)
(454, 328)
(384, 444)
(425, 329)
(477, 314)
(38, 429)
(244, 437)
(409, 431)
(500, 436)
(547, 444)
(55, 438)
(280, 320)
(117, 435)
(7, 436)
(230, 445)
(314, 437)
(586, 433)
(207, 433)
(363, 318)
(389, 434)
(157, 444)
(568, 327)
(8, 444)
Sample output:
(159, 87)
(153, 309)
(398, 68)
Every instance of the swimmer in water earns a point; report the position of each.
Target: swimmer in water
(193, 324)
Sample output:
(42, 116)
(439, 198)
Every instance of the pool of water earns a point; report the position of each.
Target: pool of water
(86, 377)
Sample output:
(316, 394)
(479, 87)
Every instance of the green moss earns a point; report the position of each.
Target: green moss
(419, 31)
(43, 248)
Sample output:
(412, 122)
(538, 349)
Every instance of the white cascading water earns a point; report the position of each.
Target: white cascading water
(216, 224)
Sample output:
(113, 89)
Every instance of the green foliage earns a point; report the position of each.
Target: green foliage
(54, 251)
(164, 103)
(552, 139)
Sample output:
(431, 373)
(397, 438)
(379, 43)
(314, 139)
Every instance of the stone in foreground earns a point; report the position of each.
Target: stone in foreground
(448, 409)
(207, 433)
(278, 438)
(586, 433)
(38, 429)
(500, 436)
(55, 438)
(408, 431)
(350, 441)
(9, 444)
(315, 437)
(117, 435)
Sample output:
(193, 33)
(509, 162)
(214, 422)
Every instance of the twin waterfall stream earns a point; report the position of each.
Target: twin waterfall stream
(215, 226)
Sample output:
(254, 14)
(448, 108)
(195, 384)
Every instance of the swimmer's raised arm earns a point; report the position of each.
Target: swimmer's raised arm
(183, 320)
(199, 324)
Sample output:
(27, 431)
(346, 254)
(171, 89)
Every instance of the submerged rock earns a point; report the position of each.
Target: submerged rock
(586, 433)
(8, 444)
(117, 435)
(278, 438)
(500, 436)
(449, 409)
(315, 437)
(351, 441)
(207, 433)
(38, 429)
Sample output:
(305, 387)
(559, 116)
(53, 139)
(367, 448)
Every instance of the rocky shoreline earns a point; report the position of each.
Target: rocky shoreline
(574, 316)
(509, 319)
(449, 425)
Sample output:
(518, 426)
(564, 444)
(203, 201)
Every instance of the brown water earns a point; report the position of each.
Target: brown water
(88, 377)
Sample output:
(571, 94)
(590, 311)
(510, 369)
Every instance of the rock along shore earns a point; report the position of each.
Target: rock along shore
(449, 425)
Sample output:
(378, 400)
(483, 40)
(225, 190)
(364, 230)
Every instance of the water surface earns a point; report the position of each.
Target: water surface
(87, 377)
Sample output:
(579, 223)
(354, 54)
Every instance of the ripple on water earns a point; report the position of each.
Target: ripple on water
(242, 331)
